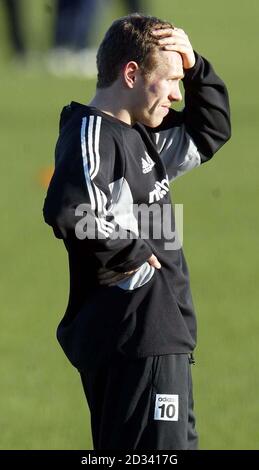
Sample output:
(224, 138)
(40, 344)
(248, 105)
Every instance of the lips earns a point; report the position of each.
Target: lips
(165, 109)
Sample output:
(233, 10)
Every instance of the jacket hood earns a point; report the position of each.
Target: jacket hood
(70, 111)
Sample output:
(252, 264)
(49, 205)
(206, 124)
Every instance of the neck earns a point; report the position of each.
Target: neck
(112, 102)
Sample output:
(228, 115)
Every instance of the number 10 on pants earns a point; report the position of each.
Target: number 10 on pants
(166, 407)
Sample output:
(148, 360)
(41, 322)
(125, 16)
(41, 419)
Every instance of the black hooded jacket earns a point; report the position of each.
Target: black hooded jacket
(109, 201)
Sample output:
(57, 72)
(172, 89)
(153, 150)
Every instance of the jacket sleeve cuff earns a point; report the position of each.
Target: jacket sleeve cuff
(195, 71)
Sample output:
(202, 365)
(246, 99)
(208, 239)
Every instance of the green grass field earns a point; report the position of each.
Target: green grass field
(42, 404)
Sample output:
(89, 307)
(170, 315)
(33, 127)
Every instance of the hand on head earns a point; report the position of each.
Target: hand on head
(175, 39)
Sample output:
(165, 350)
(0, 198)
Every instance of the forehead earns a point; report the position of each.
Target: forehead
(168, 63)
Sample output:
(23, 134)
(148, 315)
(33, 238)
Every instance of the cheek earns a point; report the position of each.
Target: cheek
(154, 89)
(158, 90)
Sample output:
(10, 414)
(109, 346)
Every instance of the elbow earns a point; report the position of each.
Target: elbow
(221, 137)
(212, 145)
(226, 134)
(229, 134)
(226, 122)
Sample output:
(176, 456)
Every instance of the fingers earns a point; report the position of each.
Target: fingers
(176, 39)
(173, 40)
(172, 37)
(110, 278)
(153, 261)
(181, 48)
(167, 35)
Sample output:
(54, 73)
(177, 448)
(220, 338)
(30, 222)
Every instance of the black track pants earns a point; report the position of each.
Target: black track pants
(142, 404)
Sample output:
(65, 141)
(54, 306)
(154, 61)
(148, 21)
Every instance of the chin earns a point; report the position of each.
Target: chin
(154, 122)
(151, 121)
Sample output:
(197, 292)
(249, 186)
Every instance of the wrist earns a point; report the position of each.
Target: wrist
(191, 72)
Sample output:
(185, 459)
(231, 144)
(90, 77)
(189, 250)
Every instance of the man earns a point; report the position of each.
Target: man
(129, 327)
(14, 20)
(72, 52)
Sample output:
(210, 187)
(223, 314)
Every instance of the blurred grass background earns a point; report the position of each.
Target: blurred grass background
(42, 404)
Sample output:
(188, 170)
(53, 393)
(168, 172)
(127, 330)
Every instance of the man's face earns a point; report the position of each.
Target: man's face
(154, 93)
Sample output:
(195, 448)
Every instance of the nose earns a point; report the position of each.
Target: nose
(175, 93)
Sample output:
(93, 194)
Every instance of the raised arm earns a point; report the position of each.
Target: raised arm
(186, 139)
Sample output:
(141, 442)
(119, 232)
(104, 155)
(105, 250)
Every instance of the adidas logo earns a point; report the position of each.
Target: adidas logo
(147, 164)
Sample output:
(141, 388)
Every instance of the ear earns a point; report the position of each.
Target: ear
(130, 72)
